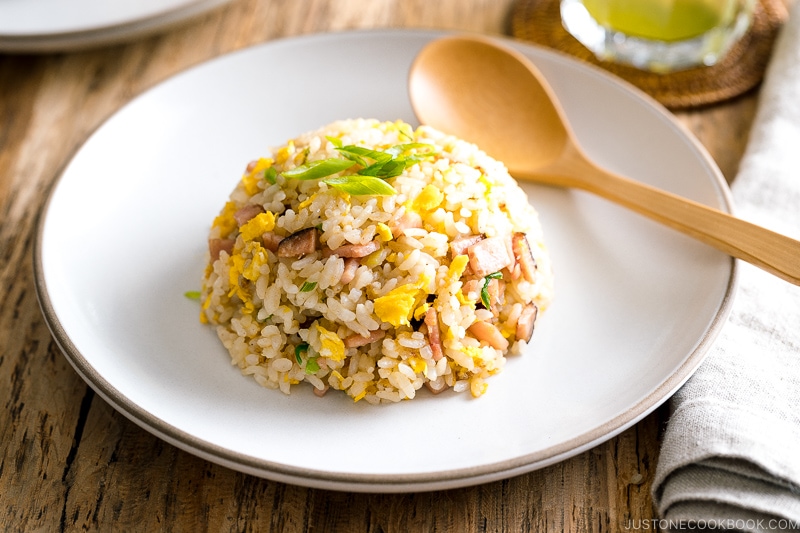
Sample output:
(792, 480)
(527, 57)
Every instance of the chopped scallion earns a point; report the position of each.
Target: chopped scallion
(376, 166)
(485, 289)
(319, 169)
(298, 350)
(312, 367)
(308, 286)
(360, 185)
(358, 154)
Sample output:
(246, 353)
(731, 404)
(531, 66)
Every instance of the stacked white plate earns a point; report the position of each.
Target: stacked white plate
(56, 25)
(637, 305)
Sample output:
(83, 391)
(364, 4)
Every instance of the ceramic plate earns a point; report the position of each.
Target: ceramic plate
(124, 236)
(58, 25)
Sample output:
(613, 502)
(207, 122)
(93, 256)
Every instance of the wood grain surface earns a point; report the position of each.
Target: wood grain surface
(70, 462)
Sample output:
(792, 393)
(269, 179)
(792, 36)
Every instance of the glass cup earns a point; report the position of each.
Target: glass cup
(658, 35)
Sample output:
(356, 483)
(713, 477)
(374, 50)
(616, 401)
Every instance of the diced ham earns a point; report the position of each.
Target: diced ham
(271, 241)
(488, 333)
(526, 321)
(432, 322)
(321, 392)
(513, 315)
(472, 288)
(513, 268)
(460, 244)
(354, 341)
(524, 256)
(409, 219)
(300, 243)
(436, 386)
(215, 246)
(488, 256)
(351, 264)
(246, 213)
(355, 250)
(251, 166)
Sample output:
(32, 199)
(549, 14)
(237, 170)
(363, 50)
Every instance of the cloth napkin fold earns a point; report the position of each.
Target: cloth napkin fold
(730, 456)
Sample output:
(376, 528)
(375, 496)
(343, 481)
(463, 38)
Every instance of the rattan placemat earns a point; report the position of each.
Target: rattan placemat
(539, 21)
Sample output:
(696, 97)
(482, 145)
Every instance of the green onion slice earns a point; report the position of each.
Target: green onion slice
(319, 169)
(358, 185)
(270, 174)
(312, 367)
(308, 286)
(368, 180)
(298, 350)
(358, 154)
(485, 289)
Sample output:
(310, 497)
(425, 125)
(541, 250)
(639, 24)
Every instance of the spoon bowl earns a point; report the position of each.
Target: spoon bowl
(476, 100)
(484, 92)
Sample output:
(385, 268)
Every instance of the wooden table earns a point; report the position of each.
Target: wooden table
(71, 462)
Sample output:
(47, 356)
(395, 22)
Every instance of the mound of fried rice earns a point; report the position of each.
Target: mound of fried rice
(415, 260)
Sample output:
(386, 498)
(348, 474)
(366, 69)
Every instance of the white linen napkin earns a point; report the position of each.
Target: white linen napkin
(730, 456)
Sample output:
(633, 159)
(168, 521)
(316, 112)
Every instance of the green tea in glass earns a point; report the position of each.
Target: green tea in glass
(658, 35)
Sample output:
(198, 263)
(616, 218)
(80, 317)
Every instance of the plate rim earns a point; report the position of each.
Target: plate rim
(371, 482)
(108, 34)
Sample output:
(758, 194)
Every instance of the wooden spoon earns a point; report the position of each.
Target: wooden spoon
(493, 96)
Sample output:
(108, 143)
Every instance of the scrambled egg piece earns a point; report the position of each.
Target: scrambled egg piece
(252, 270)
(428, 199)
(397, 306)
(247, 269)
(463, 300)
(225, 221)
(478, 388)
(285, 153)
(332, 345)
(417, 364)
(237, 266)
(257, 226)
(250, 180)
(457, 267)
(419, 312)
(384, 231)
(307, 202)
(474, 352)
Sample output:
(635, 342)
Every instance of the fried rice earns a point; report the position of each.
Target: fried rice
(373, 258)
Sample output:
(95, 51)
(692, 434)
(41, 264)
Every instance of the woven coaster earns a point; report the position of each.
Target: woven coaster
(740, 70)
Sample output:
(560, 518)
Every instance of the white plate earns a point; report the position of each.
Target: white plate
(58, 25)
(124, 236)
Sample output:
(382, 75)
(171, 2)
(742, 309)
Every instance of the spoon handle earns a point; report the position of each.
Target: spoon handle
(771, 251)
